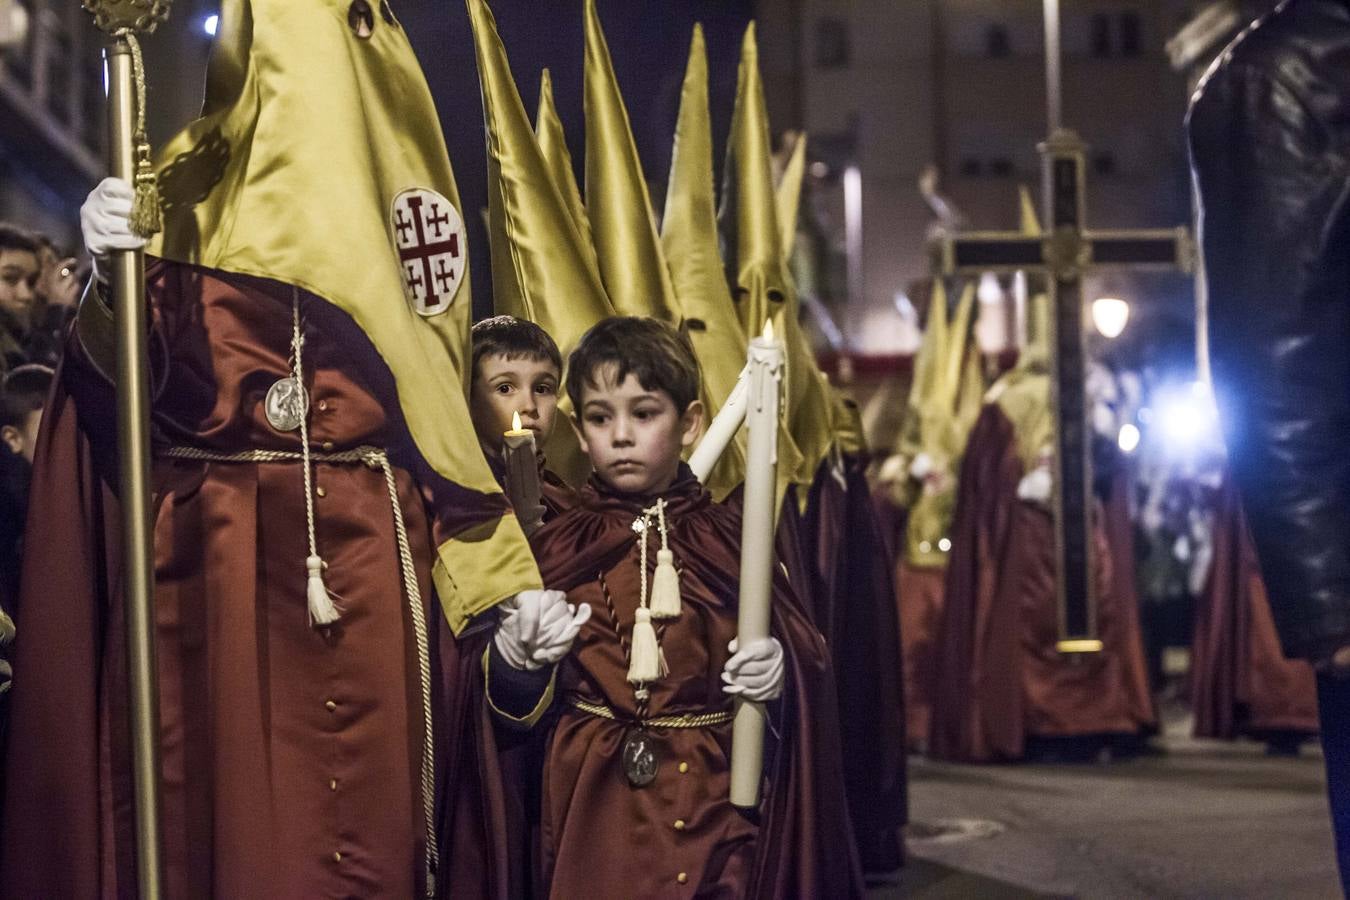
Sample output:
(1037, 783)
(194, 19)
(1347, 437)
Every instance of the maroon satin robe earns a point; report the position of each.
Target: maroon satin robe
(999, 679)
(1241, 682)
(919, 593)
(850, 570)
(291, 755)
(603, 838)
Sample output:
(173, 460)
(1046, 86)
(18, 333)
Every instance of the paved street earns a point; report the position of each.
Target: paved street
(1204, 819)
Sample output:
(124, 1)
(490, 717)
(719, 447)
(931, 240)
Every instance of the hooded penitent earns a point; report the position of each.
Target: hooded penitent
(689, 237)
(352, 153)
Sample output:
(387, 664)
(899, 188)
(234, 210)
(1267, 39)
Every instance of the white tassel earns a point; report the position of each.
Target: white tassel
(665, 601)
(645, 664)
(322, 609)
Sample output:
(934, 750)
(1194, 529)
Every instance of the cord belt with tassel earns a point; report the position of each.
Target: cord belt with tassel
(683, 720)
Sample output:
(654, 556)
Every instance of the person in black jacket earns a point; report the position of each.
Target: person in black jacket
(1270, 147)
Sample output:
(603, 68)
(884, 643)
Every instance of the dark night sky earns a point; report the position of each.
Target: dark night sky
(649, 41)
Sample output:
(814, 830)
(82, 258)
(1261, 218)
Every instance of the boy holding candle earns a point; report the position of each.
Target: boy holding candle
(638, 715)
(516, 372)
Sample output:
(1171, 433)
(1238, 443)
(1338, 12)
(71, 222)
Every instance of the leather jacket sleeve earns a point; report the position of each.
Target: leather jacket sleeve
(1273, 186)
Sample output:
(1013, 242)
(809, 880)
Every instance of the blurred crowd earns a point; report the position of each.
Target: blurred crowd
(39, 290)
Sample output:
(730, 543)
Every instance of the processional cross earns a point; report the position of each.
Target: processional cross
(1063, 253)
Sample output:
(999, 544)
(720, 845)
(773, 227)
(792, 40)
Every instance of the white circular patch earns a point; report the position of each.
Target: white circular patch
(432, 250)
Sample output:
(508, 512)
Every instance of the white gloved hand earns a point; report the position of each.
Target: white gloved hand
(105, 223)
(755, 673)
(537, 628)
(921, 467)
(1037, 486)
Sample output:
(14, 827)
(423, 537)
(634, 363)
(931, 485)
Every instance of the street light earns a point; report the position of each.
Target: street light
(1110, 315)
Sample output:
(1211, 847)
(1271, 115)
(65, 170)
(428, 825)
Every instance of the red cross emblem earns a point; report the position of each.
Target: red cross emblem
(432, 254)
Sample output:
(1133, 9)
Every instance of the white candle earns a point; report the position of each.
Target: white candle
(522, 475)
(722, 430)
(757, 556)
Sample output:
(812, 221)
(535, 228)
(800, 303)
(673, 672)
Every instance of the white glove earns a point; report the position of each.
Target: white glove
(537, 628)
(921, 467)
(755, 673)
(1036, 486)
(104, 221)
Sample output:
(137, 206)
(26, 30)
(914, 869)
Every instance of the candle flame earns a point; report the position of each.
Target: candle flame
(515, 421)
(768, 330)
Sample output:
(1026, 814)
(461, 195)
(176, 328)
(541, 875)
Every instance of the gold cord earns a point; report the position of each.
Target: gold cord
(146, 218)
(685, 720)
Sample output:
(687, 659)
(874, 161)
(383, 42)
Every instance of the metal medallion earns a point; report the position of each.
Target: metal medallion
(286, 404)
(639, 758)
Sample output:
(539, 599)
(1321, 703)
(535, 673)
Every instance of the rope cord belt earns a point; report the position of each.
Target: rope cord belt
(701, 720)
(375, 458)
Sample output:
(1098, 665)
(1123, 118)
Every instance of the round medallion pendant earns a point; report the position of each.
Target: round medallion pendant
(639, 758)
(286, 404)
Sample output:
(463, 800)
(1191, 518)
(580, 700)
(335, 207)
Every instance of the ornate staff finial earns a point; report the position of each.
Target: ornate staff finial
(124, 20)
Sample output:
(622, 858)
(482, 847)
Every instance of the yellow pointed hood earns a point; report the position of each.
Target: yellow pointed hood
(552, 139)
(756, 266)
(539, 266)
(788, 197)
(1028, 220)
(632, 263)
(319, 162)
(845, 417)
(689, 238)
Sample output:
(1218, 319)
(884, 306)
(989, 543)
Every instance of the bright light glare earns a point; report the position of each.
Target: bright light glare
(945, 545)
(1186, 417)
(1129, 437)
(1110, 315)
(210, 24)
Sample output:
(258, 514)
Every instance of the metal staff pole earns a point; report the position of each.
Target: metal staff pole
(128, 158)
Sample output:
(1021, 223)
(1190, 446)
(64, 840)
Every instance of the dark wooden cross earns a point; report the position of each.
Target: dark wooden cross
(1062, 253)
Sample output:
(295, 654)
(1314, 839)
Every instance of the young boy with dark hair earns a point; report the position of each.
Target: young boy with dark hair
(517, 369)
(638, 715)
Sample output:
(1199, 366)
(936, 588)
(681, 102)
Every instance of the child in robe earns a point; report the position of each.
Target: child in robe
(636, 772)
(517, 369)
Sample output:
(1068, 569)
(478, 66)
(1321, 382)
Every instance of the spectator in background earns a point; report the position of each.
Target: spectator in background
(58, 296)
(19, 272)
(23, 393)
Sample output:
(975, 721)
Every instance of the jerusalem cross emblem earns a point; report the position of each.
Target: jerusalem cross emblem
(432, 253)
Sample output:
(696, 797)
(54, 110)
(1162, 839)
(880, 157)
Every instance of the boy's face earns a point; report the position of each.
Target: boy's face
(634, 436)
(18, 279)
(504, 386)
(23, 440)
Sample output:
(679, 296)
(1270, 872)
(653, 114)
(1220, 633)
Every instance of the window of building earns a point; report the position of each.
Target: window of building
(1104, 163)
(997, 43)
(832, 50)
(1131, 34)
(1099, 40)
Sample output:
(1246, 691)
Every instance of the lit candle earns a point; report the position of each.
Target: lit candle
(757, 558)
(522, 475)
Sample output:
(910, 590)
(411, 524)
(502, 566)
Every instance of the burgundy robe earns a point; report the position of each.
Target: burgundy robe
(999, 679)
(603, 838)
(918, 597)
(1241, 682)
(850, 568)
(291, 755)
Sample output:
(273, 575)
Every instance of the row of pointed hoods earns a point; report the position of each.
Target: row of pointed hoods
(567, 260)
(946, 397)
